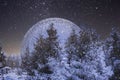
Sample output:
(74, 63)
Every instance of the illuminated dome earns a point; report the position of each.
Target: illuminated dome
(63, 27)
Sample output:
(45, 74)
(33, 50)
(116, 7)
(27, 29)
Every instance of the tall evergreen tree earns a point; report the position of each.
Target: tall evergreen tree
(114, 47)
(40, 53)
(79, 44)
(86, 39)
(52, 48)
(46, 48)
(27, 62)
(2, 59)
(115, 35)
(72, 46)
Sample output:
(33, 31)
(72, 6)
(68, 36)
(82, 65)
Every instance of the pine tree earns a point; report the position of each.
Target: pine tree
(2, 59)
(79, 44)
(40, 50)
(52, 48)
(84, 41)
(115, 35)
(25, 59)
(27, 62)
(114, 47)
(72, 46)
(46, 48)
(87, 37)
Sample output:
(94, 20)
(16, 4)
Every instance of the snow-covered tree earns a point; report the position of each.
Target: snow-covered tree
(11, 61)
(41, 57)
(88, 36)
(115, 35)
(40, 53)
(46, 53)
(52, 48)
(26, 63)
(72, 47)
(114, 51)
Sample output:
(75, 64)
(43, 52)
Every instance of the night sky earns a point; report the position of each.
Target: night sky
(17, 16)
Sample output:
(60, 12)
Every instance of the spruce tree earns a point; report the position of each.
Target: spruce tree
(27, 63)
(40, 51)
(46, 48)
(72, 46)
(2, 59)
(115, 35)
(78, 45)
(114, 47)
(52, 48)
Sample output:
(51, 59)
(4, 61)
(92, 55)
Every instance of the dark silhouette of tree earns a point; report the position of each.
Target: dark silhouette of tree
(52, 48)
(114, 46)
(45, 48)
(2, 59)
(28, 62)
(72, 46)
(115, 35)
(78, 45)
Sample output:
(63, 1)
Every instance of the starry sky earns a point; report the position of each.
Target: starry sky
(17, 16)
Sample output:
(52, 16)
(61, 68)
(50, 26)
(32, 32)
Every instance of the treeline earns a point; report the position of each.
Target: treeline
(85, 57)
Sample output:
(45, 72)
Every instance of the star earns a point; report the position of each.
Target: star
(43, 3)
(96, 8)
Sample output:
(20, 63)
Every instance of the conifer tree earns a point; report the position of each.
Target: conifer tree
(40, 51)
(115, 35)
(28, 62)
(72, 46)
(114, 47)
(52, 49)
(79, 44)
(2, 59)
(46, 48)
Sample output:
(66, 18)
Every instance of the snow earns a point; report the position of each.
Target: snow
(12, 74)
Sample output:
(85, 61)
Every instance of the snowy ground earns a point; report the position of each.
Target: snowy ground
(13, 75)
